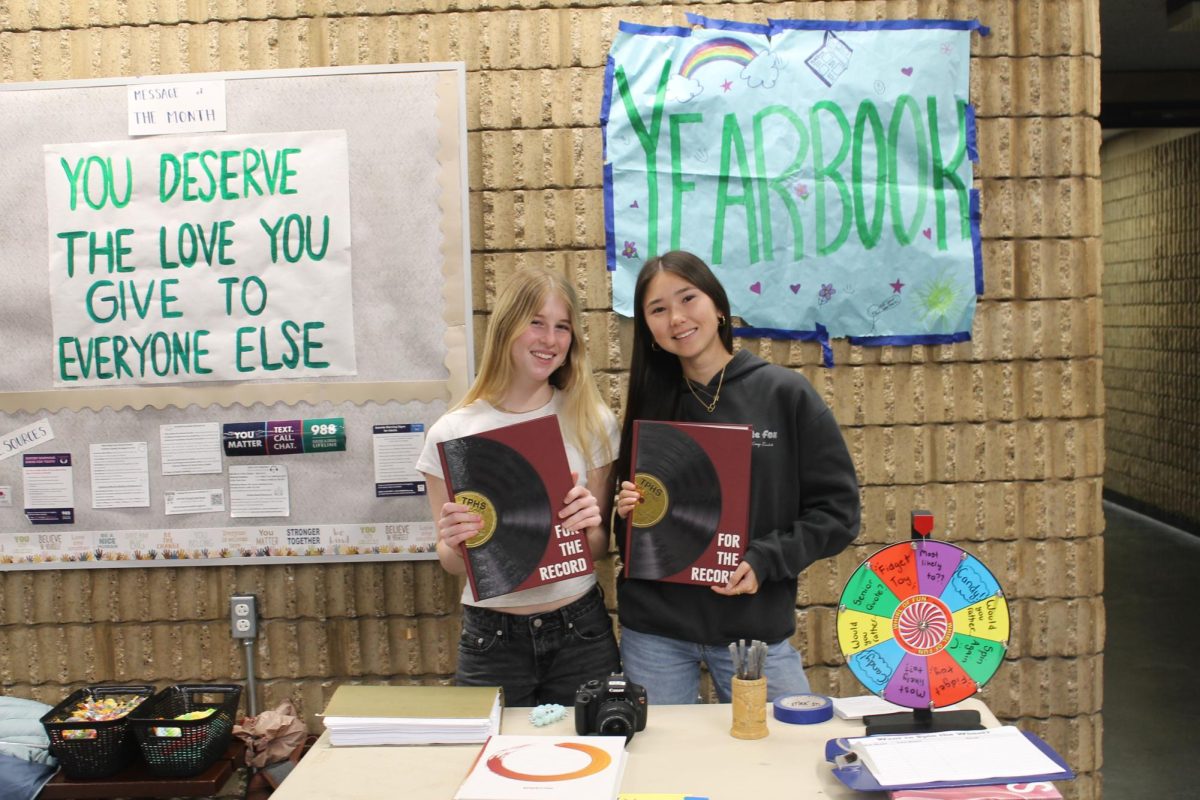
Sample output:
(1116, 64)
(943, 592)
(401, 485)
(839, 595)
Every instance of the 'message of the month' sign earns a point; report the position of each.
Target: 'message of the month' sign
(205, 258)
(822, 168)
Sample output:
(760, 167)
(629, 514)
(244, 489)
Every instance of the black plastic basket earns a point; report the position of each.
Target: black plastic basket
(175, 748)
(108, 747)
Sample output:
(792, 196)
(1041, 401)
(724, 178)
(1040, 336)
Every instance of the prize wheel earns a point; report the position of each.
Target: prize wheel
(923, 624)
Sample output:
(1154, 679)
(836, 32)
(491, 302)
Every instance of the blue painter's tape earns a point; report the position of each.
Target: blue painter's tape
(878, 25)
(610, 246)
(728, 24)
(976, 238)
(803, 709)
(972, 134)
(653, 30)
(826, 347)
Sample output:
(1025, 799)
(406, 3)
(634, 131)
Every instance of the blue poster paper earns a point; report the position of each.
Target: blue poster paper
(822, 168)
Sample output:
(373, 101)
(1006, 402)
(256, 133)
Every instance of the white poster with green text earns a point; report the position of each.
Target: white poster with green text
(200, 258)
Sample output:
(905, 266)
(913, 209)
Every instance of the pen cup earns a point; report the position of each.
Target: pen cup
(749, 709)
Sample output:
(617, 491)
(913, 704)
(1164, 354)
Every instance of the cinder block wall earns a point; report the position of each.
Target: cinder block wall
(1152, 322)
(1001, 437)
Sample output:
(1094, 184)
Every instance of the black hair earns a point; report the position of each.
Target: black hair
(656, 376)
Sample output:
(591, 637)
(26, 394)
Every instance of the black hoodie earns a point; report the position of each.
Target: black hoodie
(804, 505)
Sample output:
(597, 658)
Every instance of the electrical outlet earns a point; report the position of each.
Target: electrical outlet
(243, 615)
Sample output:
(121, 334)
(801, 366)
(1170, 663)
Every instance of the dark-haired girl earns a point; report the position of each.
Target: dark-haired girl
(804, 502)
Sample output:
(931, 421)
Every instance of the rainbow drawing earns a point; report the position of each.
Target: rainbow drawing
(723, 49)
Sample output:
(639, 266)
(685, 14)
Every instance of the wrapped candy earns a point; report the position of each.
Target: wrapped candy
(175, 733)
(104, 709)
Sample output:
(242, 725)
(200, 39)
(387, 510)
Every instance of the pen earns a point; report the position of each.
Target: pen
(758, 653)
(748, 662)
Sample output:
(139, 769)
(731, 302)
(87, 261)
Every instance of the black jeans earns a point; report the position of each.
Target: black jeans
(538, 658)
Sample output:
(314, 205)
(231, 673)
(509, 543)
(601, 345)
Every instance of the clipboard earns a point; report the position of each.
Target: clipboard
(856, 776)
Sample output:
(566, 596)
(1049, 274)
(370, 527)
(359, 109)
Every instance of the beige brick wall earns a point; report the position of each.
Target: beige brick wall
(1001, 437)
(1152, 321)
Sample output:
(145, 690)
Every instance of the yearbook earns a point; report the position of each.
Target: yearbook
(378, 715)
(692, 523)
(515, 478)
(546, 768)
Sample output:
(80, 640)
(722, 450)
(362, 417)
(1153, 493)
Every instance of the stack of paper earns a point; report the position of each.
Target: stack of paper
(862, 706)
(373, 715)
(952, 756)
(546, 768)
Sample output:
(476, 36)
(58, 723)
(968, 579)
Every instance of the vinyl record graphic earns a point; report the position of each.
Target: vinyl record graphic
(923, 624)
(499, 484)
(681, 506)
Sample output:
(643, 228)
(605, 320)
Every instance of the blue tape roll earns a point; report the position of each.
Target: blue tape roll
(803, 709)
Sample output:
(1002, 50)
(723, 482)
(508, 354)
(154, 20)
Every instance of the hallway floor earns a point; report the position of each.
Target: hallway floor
(1151, 658)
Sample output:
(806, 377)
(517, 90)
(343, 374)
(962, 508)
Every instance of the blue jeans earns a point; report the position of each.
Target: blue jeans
(538, 658)
(670, 668)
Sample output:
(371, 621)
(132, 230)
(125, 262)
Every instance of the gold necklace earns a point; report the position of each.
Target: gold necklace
(499, 407)
(709, 407)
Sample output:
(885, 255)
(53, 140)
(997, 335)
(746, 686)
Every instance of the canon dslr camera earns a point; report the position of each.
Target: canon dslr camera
(612, 706)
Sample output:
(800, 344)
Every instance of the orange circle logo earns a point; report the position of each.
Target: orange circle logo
(599, 759)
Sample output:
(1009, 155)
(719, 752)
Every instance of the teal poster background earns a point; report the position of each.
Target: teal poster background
(822, 168)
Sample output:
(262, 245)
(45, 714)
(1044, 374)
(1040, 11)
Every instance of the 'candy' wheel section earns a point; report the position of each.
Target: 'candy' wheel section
(923, 624)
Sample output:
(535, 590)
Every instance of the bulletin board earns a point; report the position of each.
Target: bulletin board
(303, 269)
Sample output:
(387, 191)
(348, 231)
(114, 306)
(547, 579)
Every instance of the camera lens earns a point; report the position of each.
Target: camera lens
(615, 718)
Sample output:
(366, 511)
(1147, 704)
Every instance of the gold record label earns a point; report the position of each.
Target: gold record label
(484, 508)
(655, 501)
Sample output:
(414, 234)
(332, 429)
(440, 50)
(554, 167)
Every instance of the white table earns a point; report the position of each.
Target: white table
(684, 749)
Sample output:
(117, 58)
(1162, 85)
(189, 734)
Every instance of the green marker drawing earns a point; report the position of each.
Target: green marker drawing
(939, 298)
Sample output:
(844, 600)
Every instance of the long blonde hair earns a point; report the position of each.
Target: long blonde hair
(519, 302)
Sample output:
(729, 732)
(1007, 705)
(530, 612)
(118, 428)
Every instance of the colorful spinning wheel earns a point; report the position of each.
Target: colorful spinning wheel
(923, 624)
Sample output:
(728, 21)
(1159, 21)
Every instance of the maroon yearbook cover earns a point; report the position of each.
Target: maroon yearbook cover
(515, 477)
(692, 523)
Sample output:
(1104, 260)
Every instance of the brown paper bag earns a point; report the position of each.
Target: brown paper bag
(271, 736)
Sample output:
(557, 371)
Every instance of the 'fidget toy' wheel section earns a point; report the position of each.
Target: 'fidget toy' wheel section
(923, 624)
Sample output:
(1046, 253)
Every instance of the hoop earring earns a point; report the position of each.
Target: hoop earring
(720, 320)
(654, 345)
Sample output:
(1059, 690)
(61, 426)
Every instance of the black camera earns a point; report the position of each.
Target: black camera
(612, 706)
